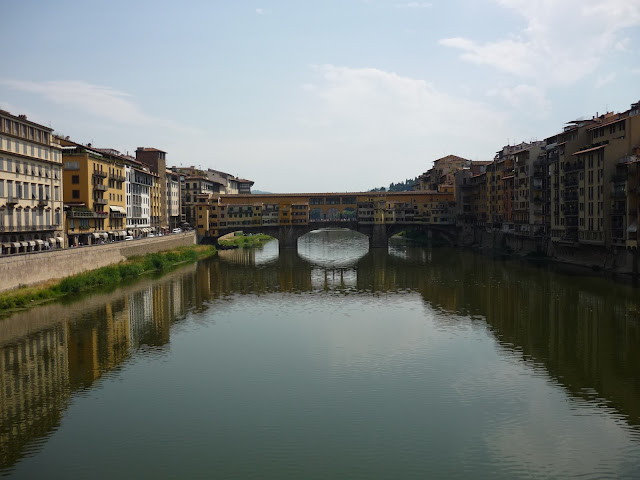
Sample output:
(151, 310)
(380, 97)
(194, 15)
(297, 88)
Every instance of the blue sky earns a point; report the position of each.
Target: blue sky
(304, 96)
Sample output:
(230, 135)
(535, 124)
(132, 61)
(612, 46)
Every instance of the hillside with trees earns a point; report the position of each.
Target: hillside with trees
(405, 186)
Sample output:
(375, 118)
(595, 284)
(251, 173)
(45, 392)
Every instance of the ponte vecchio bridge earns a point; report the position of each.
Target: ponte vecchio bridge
(288, 216)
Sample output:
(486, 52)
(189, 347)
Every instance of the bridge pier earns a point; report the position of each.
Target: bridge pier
(288, 236)
(378, 237)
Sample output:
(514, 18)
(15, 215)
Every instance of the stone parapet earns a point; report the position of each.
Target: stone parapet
(29, 269)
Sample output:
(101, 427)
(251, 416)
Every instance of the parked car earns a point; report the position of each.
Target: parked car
(128, 237)
(176, 230)
(151, 235)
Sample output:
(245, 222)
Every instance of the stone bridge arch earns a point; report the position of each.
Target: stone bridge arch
(378, 234)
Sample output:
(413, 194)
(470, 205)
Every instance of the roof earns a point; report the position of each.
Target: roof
(589, 150)
(606, 123)
(322, 194)
(149, 149)
(23, 118)
(481, 162)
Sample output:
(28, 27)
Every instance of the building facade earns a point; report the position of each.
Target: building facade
(31, 185)
(156, 160)
(94, 194)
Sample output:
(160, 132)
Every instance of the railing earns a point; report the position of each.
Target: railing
(100, 201)
(573, 167)
(42, 201)
(619, 178)
(571, 196)
(117, 178)
(85, 214)
(100, 187)
(99, 174)
(618, 210)
(570, 182)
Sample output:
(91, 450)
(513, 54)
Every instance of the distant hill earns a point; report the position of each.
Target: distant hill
(260, 192)
(405, 186)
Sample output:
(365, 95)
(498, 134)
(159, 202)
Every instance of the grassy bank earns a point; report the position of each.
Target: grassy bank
(111, 275)
(246, 240)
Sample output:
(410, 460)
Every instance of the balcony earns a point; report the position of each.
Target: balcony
(619, 178)
(573, 167)
(26, 228)
(101, 187)
(619, 194)
(622, 210)
(43, 201)
(571, 197)
(12, 200)
(117, 178)
(99, 174)
(571, 182)
(100, 201)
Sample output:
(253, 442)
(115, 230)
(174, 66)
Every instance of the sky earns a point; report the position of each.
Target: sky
(317, 96)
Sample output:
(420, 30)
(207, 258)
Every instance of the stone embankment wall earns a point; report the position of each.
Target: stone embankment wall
(32, 268)
(594, 257)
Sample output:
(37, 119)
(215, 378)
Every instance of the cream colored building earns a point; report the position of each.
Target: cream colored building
(31, 204)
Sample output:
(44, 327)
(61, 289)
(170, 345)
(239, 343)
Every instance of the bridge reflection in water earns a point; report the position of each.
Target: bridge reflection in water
(583, 333)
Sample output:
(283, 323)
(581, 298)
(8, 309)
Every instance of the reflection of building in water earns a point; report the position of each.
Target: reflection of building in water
(140, 316)
(39, 371)
(98, 342)
(34, 381)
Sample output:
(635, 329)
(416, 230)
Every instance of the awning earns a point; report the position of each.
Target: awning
(60, 240)
(633, 228)
(31, 243)
(123, 233)
(116, 208)
(6, 245)
(24, 244)
(588, 150)
(39, 242)
(95, 235)
(130, 232)
(103, 235)
(112, 233)
(16, 244)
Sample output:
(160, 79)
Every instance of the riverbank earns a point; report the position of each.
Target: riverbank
(245, 240)
(111, 275)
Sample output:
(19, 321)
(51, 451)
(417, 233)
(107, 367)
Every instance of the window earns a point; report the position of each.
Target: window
(75, 179)
(75, 193)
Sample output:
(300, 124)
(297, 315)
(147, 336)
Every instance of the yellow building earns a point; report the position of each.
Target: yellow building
(94, 195)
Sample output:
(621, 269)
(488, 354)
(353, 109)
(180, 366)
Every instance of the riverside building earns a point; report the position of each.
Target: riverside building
(94, 194)
(31, 208)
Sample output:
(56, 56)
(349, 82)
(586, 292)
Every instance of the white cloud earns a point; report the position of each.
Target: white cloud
(636, 71)
(561, 42)
(603, 80)
(97, 100)
(528, 98)
(374, 100)
(261, 11)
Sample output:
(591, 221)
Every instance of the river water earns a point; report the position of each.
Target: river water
(329, 362)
